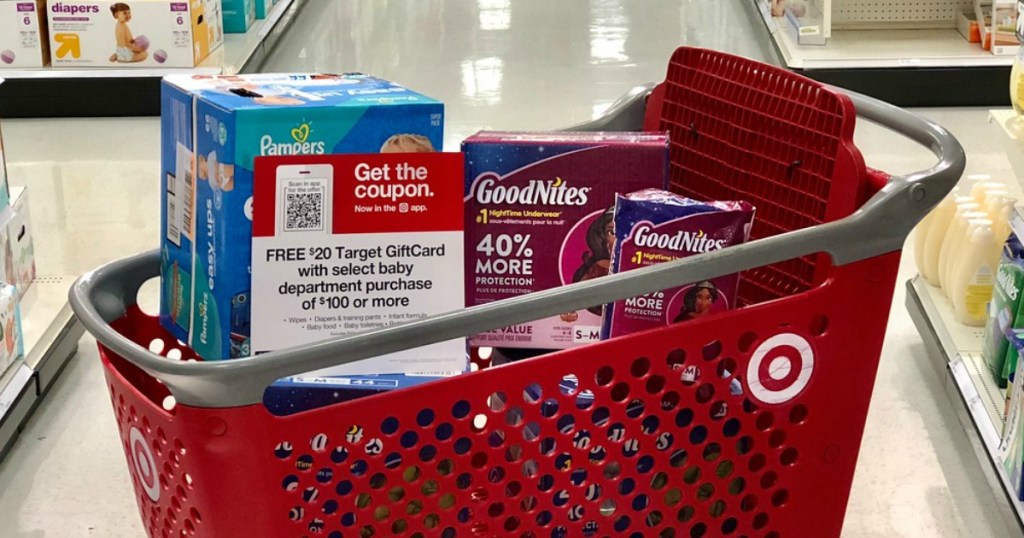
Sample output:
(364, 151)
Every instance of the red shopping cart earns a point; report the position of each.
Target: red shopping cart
(744, 424)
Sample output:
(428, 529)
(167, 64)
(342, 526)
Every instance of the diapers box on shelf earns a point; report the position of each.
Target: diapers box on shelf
(239, 15)
(139, 33)
(22, 250)
(212, 130)
(654, 226)
(539, 215)
(23, 37)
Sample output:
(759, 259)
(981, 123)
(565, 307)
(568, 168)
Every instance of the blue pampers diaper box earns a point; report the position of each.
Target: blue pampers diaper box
(212, 129)
(239, 15)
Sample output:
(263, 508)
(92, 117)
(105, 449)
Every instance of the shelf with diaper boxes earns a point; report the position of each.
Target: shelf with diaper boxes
(961, 49)
(52, 49)
(967, 305)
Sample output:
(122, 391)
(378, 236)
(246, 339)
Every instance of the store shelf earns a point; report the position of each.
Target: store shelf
(51, 334)
(49, 92)
(1010, 132)
(954, 350)
(905, 66)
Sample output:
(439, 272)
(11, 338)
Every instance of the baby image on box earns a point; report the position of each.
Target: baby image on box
(129, 49)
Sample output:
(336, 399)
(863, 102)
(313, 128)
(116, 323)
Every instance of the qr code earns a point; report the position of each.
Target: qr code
(304, 211)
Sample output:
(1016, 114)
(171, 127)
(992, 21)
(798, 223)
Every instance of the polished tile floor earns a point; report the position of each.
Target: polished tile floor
(527, 64)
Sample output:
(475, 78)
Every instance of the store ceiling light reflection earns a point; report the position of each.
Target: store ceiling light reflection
(495, 14)
(608, 32)
(481, 80)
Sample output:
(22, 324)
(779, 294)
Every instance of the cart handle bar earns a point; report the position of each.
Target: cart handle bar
(880, 226)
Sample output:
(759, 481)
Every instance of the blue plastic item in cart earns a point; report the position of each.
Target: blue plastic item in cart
(302, 393)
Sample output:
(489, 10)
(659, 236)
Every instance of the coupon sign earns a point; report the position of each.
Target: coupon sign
(344, 244)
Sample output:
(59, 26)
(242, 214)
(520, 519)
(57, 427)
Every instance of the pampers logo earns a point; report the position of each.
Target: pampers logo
(544, 192)
(74, 9)
(300, 144)
(696, 243)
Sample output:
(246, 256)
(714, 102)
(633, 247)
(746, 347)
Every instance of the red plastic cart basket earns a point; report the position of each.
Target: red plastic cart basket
(744, 424)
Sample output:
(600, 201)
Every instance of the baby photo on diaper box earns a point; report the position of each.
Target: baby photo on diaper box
(137, 33)
(655, 226)
(539, 210)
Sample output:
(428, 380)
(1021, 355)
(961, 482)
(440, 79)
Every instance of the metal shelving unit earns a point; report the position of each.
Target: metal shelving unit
(955, 349)
(908, 52)
(50, 92)
(973, 394)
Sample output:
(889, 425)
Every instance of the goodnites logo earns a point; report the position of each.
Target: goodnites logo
(74, 9)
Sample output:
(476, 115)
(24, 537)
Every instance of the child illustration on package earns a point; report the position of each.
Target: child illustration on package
(129, 49)
(697, 301)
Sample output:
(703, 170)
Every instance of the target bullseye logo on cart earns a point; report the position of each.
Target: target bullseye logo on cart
(145, 465)
(780, 368)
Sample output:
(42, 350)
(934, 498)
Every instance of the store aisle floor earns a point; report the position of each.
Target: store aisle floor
(527, 64)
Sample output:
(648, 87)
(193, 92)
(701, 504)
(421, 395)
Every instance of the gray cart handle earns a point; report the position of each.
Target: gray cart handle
(879, 226)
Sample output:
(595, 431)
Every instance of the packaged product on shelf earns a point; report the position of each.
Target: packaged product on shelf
(139, 33)
(20, 239)
(212, 130)
(539, 210)
(655, 226)
(967, 25)
(343, 244)
(1011, 445)
(263, 8)
(302, 393)
(11, 345)
(1003, 309)
(974, 273)
(954, 239)
(239, 15)
(24, 41)
(5, 193)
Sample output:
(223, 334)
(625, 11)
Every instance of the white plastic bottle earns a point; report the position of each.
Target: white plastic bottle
(941, 218)
(959, 245)
(998, 205)
(957, 263)
(956, 231)
(975, 276)
(978, 189)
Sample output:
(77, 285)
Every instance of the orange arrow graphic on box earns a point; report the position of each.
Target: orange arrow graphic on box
(68, 44)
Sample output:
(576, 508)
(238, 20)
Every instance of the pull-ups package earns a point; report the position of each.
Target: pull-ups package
(539, 215)
(213, 128)
(655, 226)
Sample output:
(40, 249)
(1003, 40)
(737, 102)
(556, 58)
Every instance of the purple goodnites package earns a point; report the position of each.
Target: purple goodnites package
(539, 215)
(654, 226)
